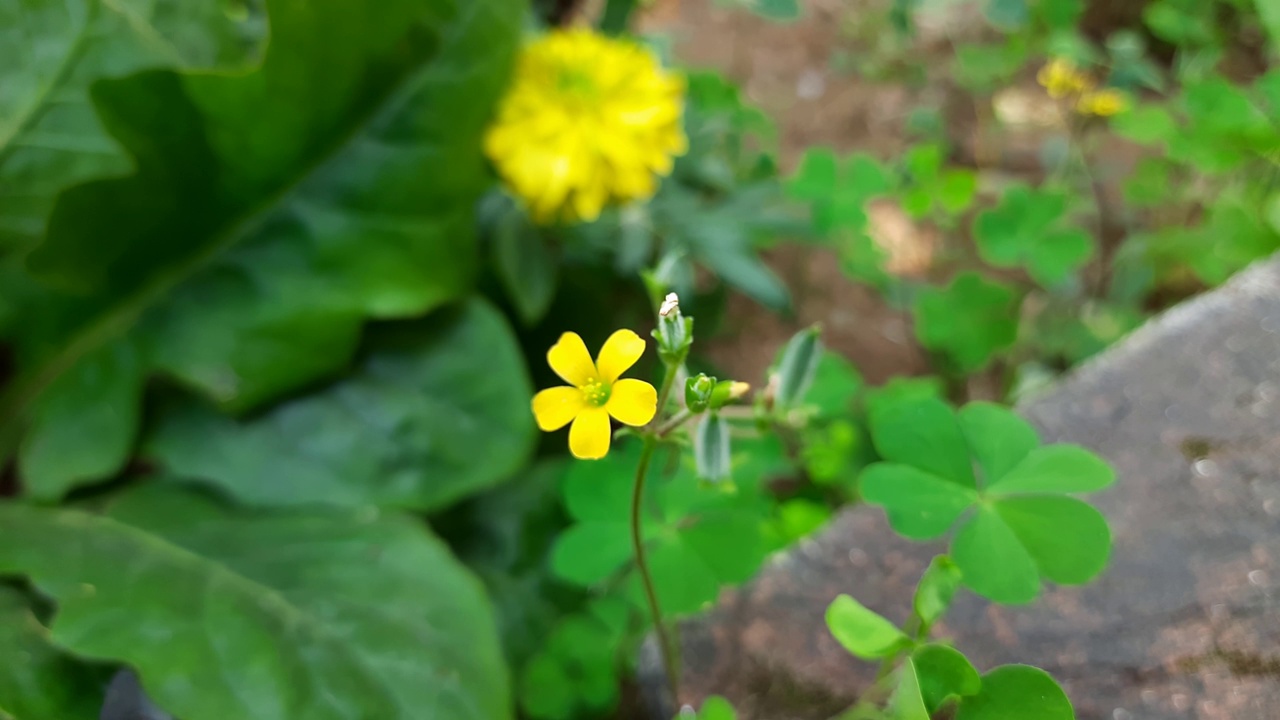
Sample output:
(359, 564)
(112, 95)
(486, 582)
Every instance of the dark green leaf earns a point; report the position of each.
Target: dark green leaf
(416, 426)
(367, 616)
(84, 426)
(50, 53)
(863, 632)
(272, 211)
(1017, 692)
(40, 682)
(526, 266)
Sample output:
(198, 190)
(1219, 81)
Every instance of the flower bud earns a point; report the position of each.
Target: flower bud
(674, 333)
(698, 392)
(727, 391)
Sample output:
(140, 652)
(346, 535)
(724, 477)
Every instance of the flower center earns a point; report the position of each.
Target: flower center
(596, 393)
(577, 84)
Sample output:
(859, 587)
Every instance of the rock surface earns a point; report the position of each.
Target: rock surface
(1184, 624)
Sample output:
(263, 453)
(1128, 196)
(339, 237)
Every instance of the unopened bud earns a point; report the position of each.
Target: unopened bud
(698, 392)
(669, 305)
(727, 391)
(674, 332)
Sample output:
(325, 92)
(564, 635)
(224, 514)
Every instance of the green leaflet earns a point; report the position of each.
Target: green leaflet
(272, 212)
(355, 614)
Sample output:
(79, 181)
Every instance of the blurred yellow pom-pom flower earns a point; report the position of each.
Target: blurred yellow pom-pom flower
(588, 120)
(596, 392)
(1104, 103)
(1060, 78)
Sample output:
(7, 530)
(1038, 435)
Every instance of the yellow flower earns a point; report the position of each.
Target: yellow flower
(1060, 77)
(587, 120)
(596, 394)
(1105, 102)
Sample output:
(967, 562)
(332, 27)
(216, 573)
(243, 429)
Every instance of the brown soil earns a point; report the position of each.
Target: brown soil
(786, 70)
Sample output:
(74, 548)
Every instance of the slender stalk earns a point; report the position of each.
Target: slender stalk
(637, 540)
(646, 579)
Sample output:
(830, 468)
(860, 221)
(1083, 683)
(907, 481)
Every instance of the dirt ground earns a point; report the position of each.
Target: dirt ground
(786, 69)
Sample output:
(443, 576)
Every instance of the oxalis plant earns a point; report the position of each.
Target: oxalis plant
(979, 474)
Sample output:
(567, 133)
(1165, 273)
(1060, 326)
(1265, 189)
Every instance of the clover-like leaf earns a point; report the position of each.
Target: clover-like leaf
(1016, 523)
(943, 672)
(364, 615)
(1017, 692)
(932, 675)
(862, 631)
(698, 536)
(271, 212)
(1028, 229)
(414, 426)
(970, 320)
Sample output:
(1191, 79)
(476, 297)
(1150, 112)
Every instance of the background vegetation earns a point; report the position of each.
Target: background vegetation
(269, 328)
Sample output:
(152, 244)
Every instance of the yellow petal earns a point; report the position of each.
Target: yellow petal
(571, 361)
(589, 435)
(633, 402)
(553, 408)
(620, 352)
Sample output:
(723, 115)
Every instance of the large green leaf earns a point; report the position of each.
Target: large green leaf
(50, 52)
(277, 617)
(271, 212)
(40, 682)
(418, 425)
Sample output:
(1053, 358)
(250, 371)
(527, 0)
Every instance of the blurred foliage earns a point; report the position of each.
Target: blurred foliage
(269, 327)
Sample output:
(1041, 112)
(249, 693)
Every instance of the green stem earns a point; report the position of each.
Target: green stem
(676, 421)
(646, 579)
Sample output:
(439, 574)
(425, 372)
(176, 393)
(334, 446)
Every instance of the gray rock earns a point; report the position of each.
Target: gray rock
(1184, 624)
(126, 700)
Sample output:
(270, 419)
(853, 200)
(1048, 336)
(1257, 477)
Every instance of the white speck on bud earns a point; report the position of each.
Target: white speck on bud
(669, 305)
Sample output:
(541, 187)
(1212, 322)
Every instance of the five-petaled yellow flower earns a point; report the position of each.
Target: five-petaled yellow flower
(1060, 78)
(1104, 103)
(587, 120)
(597, 392)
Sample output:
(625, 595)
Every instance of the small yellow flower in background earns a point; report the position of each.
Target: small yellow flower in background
(588, 120)
(597, 392)
(1060, 77)
(1104, 103)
